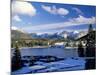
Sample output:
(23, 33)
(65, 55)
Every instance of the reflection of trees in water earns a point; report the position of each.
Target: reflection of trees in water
(80, 50)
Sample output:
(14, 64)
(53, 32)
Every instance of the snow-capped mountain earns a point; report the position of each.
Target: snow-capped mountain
(57, 35)
(75, 32)
(64, 34)
(46, 36)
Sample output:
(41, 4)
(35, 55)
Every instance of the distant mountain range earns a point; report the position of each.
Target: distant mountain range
(46, 36)
(19, 34)
(61, 35)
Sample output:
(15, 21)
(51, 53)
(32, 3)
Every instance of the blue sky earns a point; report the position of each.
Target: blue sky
(37, 17)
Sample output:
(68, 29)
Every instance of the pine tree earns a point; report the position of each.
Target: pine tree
(90, 46)
(16, 59)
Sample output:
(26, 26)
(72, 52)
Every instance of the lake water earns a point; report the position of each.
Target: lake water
(58, 52)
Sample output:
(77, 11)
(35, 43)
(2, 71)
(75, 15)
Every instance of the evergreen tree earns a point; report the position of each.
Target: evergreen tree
(90, 46)
(90, 28)
(16, 59)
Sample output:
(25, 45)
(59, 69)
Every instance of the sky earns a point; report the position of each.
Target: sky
(41, 17)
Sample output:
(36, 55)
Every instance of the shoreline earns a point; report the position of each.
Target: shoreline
(33, 47)
(42, 47)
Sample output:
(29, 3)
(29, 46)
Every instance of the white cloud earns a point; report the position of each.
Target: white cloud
(62, 11)
(80, 20)
(77, 10)
(17, 18)
(48, 9)
(83, 20)
(24, 8)
(55, 10)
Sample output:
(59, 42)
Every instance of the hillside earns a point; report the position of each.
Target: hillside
(16, 34)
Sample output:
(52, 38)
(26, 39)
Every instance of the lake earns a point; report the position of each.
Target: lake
(58, 52)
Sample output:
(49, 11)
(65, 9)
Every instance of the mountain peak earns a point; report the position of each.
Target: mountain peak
(75, 32)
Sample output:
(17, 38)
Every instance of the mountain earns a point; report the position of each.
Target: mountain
(46, 36)
(61, 35)
(64, 34)
(73, 34)
(19, 34)
(82, 33)
(34, 35)
(54, 36)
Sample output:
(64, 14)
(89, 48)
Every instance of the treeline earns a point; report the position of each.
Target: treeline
(29, 43)
(38, 42)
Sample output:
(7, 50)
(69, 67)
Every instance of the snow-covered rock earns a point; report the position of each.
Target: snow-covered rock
(68, 64)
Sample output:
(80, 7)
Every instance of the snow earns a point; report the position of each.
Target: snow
(71, 60)
(64, 65)
(36, 67)
(75, 32)
(22, 71)
(60, 43)
(25, 70)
